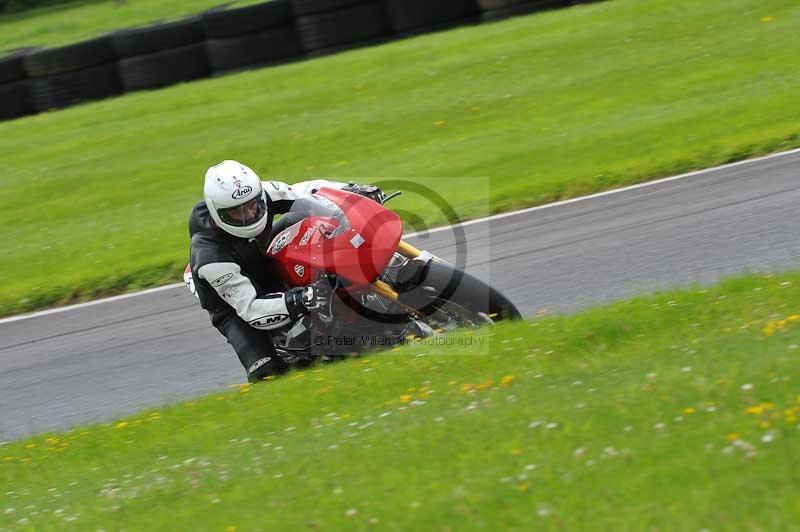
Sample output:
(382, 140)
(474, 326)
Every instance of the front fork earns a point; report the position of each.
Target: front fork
(408, 251)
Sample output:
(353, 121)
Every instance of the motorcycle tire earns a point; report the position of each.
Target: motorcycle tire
(444, 287)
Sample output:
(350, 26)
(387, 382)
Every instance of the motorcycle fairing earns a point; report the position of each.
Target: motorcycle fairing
(358, 255)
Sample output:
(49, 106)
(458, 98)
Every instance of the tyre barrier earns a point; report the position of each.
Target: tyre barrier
(14, 88)
(11, 68)
(330, 31)
(408, 17)
(69, 58)
(167, 67)
(220, 23)
(15, 99)
(502, 9)
(163, 54)
(157, 37)
(272, 46)
(57, 91)
(256, 35)
(310, 7)
(225, 39)
(67, 75)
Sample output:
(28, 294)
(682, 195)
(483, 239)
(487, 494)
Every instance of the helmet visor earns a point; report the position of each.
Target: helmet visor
(246, 214)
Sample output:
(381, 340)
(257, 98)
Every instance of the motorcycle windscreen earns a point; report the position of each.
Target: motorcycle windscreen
(318, 206)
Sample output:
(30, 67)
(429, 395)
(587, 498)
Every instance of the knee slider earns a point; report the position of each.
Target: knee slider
(266, 367)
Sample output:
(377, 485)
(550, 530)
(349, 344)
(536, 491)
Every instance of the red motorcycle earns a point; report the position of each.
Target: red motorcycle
(384, 290)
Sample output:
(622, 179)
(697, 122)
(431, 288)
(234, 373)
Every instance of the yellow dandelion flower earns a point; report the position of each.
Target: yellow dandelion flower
(733, 436)
(766, 19)
(764, 424)
(506, 380)
(688, 410)
(759, 408)
(405, 398)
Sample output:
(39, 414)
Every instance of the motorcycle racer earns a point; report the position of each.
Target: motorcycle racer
(230, 271)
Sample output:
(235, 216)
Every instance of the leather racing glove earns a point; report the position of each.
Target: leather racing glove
(304, 299)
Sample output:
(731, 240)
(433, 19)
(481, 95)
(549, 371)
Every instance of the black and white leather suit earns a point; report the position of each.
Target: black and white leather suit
(238, 284)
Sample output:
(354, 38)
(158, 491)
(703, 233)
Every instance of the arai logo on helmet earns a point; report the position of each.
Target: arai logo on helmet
(242, 192)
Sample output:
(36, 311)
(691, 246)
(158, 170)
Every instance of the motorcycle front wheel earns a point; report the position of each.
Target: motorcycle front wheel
(449, 297)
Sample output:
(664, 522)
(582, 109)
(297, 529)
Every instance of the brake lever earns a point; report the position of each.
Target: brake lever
(391, 196)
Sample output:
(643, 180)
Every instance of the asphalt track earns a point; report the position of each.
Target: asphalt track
(99, 362)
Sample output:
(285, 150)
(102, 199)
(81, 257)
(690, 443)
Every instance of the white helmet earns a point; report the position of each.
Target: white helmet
(236, 200)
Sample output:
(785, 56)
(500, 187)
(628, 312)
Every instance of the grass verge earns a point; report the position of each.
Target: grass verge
(492, 117)
(677, 411)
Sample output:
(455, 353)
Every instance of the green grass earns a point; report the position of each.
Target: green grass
(492, 117)
(674, 412)
(72, 22)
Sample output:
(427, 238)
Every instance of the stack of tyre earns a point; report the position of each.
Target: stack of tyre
(500, 9)
(67, 75)
(14, 88)
(225, 39)
(408, 17)
(161, 54)
(255, 35)
(327, 26)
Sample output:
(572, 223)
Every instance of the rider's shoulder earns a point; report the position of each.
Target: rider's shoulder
(278, 191)
(274, 185)
(200, 219)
